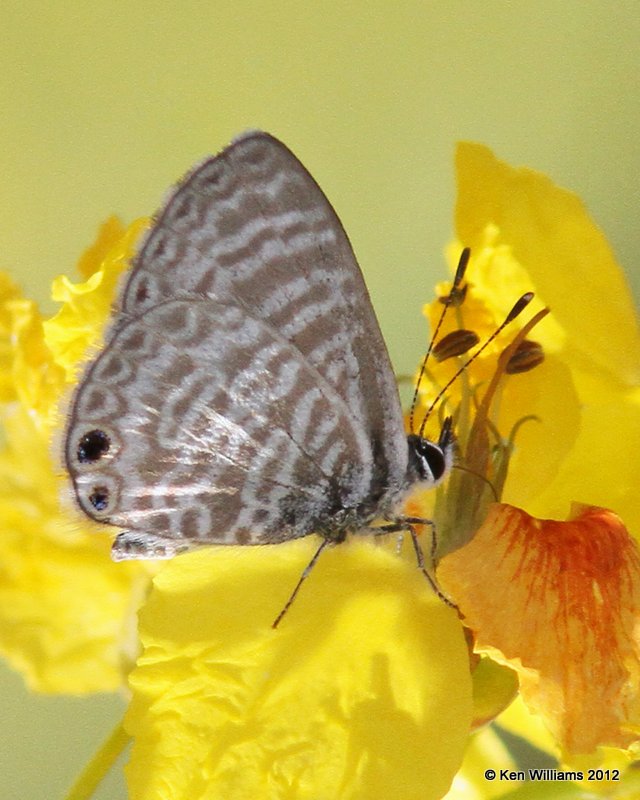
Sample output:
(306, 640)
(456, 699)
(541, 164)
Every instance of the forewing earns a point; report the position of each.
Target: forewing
(252, 228)
(215, 430)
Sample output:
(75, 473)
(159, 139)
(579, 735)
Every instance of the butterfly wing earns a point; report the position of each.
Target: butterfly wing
(212, 429)
(185, 431)
(252, 227)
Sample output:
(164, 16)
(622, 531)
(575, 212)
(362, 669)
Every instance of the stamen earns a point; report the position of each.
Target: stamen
(482, 412)
(528, 355)
(517, 309)
(455, 344)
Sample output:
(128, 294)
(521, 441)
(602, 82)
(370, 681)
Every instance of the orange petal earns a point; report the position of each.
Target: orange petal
(559, 602)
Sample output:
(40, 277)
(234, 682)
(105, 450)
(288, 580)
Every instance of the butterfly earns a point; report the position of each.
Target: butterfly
(244, 394)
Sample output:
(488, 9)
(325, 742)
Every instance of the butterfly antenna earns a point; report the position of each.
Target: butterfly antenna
(449, 300)
(517, 309)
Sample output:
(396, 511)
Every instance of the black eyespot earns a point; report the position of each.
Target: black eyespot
(99, 498)
(92, 446)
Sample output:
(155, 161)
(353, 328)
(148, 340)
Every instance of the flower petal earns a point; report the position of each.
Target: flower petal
(484, 749)
(109, 235)
(9, 293)
(85, 307)
(546, 397)
(553, 237)
(602, 465)
(559, 602)
(363, 691)
(66, 610)
(494, 688)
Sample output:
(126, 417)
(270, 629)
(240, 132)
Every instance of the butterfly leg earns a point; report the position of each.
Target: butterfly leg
(130, 545)
(303, 577)
(434, 539)
(408, 524)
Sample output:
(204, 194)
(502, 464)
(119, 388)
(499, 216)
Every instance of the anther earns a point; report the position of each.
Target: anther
(455, 344)
(528, 355)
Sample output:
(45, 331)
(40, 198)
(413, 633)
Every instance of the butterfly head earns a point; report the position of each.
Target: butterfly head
(430, 462)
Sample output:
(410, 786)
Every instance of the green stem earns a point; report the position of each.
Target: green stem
(90, 777)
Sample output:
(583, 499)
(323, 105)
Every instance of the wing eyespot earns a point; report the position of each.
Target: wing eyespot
(142, 291)
(99, 498)
(92, 446)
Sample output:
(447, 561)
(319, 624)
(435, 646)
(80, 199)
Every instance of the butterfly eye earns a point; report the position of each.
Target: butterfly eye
(99, 498)
(430, 462)
(92, 446)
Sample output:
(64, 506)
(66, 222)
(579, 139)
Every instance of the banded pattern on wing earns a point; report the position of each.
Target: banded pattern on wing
(252, 228)
(219, 431)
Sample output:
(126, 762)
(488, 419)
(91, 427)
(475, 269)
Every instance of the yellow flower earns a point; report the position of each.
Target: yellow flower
(558, 602)
(66, 611)
(367, 669)
(339, 701)
(9, 292)
(519, 216)
(363, 691)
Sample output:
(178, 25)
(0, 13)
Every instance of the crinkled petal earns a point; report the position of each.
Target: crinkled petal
(38, 380)
(560, 602)
(86, 306)
(67, 612)
(110, 233)
(9, 293)
(362, 692)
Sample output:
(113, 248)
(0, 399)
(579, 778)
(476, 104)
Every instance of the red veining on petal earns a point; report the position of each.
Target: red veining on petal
(560, 602)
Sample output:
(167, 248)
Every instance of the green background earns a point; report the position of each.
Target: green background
(104, 105)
